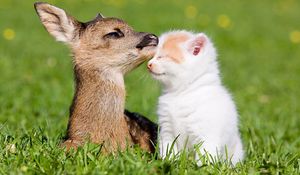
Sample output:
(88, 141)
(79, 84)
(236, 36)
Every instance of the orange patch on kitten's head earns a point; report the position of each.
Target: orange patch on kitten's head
(171, 46)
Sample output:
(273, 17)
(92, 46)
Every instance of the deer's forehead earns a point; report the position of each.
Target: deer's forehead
(171, 46)
(108, 24)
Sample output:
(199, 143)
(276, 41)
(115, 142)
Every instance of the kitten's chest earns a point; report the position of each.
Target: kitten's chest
(176, 106)
(175, 111)
(173, 116)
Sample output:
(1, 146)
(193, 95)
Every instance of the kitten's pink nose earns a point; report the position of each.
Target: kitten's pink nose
(149, 65)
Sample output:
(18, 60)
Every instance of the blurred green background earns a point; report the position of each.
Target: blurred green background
(258, 43)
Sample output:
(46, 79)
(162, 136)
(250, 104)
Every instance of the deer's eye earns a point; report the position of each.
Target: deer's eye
(115, 34)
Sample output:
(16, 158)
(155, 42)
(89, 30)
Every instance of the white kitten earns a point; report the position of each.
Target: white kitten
(194, 105)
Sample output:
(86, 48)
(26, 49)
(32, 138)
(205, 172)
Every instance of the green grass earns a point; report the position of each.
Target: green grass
(259, 59)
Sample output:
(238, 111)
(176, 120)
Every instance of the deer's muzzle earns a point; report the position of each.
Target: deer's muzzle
(148, 40)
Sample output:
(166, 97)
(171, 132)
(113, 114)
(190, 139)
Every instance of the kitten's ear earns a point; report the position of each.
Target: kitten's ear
(57, 22)
(196, 44)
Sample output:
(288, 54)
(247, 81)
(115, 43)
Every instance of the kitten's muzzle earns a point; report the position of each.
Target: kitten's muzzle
(148, 40)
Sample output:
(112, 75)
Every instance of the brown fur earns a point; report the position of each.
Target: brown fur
(100, 62)
(97, 110)
(142, 131)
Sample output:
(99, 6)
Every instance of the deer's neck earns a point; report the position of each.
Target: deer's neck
(98, 103)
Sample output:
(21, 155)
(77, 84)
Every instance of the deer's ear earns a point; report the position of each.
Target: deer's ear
(57, 22)
(196, 44)
(99, 16)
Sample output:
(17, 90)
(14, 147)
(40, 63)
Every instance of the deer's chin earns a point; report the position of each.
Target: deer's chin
(148, 52)
(132, 65)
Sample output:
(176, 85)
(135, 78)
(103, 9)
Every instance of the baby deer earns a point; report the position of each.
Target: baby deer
(104, 50)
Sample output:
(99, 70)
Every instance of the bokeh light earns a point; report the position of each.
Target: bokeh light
(191, 12)
(224, 21)
(9, 34)
(295, 36)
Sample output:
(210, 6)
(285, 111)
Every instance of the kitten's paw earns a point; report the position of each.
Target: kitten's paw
(199, 163)
(169, 152)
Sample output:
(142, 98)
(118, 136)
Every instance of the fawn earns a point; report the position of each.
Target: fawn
(103, 51)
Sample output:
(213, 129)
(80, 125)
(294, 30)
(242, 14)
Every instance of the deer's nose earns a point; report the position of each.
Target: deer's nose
(151, 36)
(153, 39)
(148, 40)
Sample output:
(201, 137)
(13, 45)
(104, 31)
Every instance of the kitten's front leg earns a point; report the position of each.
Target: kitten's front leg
(209, 148)
(167, 144)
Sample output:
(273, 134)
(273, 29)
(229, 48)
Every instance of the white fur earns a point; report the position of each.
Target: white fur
(194, 105)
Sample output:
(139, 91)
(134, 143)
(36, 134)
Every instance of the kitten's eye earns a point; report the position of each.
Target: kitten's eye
(114, 35)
